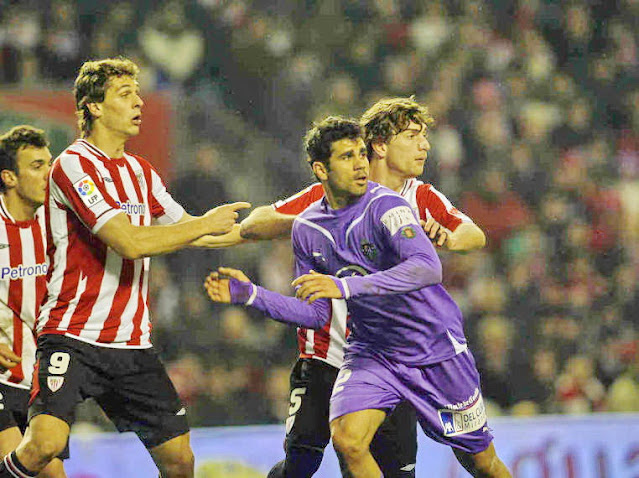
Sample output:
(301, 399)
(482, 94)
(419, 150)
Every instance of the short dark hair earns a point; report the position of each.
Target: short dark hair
(391, 116)
(320, 138)
(92, 82)
(13, 140)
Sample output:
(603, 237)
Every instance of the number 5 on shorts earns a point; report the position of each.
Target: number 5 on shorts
(58, 363)
(296, 403)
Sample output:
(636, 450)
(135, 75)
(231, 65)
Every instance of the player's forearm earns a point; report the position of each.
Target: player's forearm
(229, 239)
(466, 237)
(416, 272)
(280, 307)
(135, 242)
(265, 223)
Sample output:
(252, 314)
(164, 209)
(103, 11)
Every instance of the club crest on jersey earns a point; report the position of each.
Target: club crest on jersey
(88, 191)
(368, 249)
(408, 232)
(54, 383)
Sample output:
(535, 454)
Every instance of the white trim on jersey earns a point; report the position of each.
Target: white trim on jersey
(357, 221)
(94, 294)
(308, 223)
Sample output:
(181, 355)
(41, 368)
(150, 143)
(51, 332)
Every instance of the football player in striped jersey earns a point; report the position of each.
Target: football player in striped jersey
(25, 161)
(94, 326)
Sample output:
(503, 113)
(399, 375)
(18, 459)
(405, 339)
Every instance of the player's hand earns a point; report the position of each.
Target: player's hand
(217, 283)
(222, 218)
(435, 231)
(313, 286)
(8, 359)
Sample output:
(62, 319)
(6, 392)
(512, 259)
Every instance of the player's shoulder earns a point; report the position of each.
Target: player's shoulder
(136, 158)
(313, 211)
(75, 155)
(382, 197)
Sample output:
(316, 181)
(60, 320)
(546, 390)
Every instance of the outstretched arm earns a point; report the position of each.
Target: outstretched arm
(264, 222)
(232, 286)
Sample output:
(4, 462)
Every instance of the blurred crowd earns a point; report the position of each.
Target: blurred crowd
(536, 138)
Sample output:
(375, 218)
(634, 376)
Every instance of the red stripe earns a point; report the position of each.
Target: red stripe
(40, 257)
(15, 299)
(156, 209)
(323, 337)
(35, 383)
(296, 204)
(125, 284)
(302, 336)
(427, 199)
(139, 313)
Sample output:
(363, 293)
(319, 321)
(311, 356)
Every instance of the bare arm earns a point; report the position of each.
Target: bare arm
(134, 242)
(229, 239)
(264, 223)
(466, 237)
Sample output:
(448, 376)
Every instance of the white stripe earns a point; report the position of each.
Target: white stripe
(315, 226)
(347, 291)
(337, 333)
(280, 203)
(251, 299)
(310, 341)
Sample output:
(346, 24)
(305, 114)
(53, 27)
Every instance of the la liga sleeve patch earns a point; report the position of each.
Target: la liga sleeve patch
(88, 191)
(396, 218)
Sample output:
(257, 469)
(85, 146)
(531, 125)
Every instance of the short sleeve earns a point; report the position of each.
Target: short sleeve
(298, 202)
(431, 202)
(76, 184)
(162, 205)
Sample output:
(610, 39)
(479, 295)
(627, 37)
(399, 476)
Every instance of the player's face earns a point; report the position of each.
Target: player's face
(121, 110)
(407, 151)
(348, 173)
(33, 166)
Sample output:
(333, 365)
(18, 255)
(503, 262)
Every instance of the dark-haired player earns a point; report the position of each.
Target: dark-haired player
(396, 137)
(407, 341)
(24, 165)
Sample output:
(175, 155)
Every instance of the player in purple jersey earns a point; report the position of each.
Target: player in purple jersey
(363, 243)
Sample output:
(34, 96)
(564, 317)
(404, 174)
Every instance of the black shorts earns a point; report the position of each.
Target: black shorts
(394, 445)
(131, 386)
(14, 403)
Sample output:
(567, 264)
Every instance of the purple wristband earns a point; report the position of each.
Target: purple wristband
(241, 292)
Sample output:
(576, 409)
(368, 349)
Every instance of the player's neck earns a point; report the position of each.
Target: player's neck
(337, 201)
(384, 176)
(19, 209)
(108, 142)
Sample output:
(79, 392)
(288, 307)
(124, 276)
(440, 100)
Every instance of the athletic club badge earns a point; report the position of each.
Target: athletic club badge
(54, 383)
(368, 249)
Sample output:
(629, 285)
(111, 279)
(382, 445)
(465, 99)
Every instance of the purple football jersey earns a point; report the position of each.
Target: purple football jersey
(390, 273)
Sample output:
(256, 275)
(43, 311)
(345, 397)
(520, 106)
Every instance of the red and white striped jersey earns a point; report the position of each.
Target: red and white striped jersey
(23, 269)
(94, 294)
(327, 344)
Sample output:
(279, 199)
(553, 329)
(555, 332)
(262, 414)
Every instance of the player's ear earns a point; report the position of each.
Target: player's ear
(320, 170)
(95, 109)
(9, 178)
(379, 148)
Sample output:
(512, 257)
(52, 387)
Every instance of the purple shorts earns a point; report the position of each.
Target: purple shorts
(446, 395)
